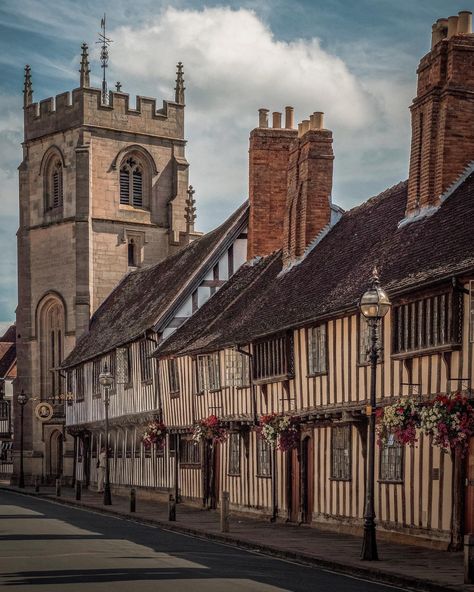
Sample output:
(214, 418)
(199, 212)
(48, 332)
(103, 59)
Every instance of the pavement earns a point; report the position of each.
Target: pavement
(405, 566)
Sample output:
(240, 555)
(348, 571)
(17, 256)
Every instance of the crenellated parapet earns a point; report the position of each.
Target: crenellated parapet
(83, 107)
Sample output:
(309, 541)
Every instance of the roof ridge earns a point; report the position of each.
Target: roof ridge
(378, 197)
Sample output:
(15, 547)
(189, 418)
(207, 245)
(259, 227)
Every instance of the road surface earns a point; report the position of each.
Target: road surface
(48, 547)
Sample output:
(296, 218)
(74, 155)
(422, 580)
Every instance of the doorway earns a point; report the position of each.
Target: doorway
(300, 476)
(56, 454)
(211, 474)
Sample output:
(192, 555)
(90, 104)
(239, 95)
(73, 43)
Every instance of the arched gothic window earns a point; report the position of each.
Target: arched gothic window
(51, 341)
(54, 185)
(132, 188)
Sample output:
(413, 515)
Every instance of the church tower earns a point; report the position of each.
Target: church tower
(102, 190)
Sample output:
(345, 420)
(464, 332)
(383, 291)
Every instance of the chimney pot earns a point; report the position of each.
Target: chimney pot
(465, 22)
(305, 126)
(263, 118)
(452, 26)
(276, 120)
(317, 120)
(300, 130)
(289, 118)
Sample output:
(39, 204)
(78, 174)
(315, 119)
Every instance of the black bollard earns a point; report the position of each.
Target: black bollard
(37, 484)
(133, 500)
(171, 508)
(78, 489)
(58, 487)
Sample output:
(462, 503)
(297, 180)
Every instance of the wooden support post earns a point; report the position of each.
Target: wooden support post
(171, 508)
(458, 501)
(78, 489)
(469, 559)
(225, 511)
(133, 500)
(37, 484)
(58, 487)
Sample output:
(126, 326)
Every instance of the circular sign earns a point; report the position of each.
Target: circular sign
(44, 411)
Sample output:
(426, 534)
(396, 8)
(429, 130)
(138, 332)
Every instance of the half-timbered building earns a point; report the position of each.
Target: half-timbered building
(146, 307)
(284, 333)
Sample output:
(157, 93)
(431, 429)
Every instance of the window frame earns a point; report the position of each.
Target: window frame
(384, 476)
(80, 386)
(96, 370)
(172, 368)
(311, 349)
(207, 367)
(345, 471)
(132, 170)
(263, 448)
(234, 460)
(236, 369)
(273, 358)
(146, 363)
(426, 323)
(380, 341)
(54, 167)
(186, 460)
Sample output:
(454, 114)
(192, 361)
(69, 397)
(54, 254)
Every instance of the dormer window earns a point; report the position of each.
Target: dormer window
(131, 183)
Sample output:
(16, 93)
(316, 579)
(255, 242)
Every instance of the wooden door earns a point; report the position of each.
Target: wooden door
(307, 479)
(469, 496)
(293, 487)
(211, 474)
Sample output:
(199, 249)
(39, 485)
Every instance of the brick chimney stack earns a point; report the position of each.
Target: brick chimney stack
(268, 166)
(442, 113)
(308, 209)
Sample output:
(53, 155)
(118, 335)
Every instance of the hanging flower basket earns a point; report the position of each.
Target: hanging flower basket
(398, 422)
(449, 419)
(280, 431)
(209, 428)
(155, 433)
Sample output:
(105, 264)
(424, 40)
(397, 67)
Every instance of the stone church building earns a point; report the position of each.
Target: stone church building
(103, 190)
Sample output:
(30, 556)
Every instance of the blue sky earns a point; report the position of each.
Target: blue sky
(354, 60)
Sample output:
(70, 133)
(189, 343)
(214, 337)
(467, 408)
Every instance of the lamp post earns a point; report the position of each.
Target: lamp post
(106, 380)
(374, 305)
(22, 401)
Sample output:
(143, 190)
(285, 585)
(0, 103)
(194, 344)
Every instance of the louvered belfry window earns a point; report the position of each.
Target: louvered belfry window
(55, 186)
(131, 183)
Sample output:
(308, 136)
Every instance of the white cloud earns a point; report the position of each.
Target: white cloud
(233, 66)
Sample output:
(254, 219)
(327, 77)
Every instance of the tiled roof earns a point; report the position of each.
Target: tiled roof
(333, 276)
(9, 335)
(7, 358)
(146, 296)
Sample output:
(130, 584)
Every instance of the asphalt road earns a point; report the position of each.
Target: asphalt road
(54, 548)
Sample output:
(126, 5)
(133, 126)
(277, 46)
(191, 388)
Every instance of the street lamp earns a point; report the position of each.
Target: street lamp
(22, 401)
(106, 380)
(374, 305)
